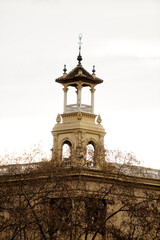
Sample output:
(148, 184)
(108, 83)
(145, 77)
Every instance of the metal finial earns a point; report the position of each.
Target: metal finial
(80, 43)
(79, 58)
(64, 69)
(93, 71)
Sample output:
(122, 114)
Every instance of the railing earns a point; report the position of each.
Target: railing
(67, 162)
(86, 108)
(15, 169)
(90, 164)
(74, 108)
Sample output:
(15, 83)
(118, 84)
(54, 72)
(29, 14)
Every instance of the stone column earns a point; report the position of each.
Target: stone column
(79, 97)
(65, 89)
(92, 99)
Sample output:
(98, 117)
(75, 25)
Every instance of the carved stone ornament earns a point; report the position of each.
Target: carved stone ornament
(58, 119)
(79, 116)
(99, 119)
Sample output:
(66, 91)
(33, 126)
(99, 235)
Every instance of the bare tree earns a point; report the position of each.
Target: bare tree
(44, 201)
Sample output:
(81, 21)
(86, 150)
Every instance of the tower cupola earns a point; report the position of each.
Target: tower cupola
(76, 128)
(79, 78)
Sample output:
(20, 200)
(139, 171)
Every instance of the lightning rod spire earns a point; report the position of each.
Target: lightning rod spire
(79, 58)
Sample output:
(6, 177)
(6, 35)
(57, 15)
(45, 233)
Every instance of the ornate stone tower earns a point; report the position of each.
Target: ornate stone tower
(77, 139)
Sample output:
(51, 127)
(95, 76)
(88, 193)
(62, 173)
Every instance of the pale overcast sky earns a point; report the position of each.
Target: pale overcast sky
(120, 37)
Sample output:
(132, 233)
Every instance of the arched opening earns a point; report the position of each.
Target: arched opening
(66, 153)
(90, 154)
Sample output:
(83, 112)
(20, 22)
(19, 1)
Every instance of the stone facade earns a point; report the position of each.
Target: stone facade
(78, 195)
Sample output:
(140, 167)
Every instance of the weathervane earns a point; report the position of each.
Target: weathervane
(79, 58)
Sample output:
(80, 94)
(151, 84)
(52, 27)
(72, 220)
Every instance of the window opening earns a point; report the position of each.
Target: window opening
(66, 154)
(86, 95)
(72, 95)
(90, 213)
(61, 214)
(96, 214)
(90, 152)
